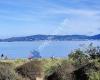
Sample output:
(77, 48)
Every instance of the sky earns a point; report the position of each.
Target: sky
(55, 17)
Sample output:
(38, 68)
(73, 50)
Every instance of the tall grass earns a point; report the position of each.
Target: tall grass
(94, 76)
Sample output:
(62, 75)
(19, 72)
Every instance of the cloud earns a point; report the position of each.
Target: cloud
(42, 9)
(72, 11)
(84, 25)
(69, 16)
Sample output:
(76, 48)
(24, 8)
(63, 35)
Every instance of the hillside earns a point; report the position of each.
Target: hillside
(52, 37)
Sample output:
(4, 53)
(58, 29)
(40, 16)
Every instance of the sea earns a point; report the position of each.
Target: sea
(59, 49)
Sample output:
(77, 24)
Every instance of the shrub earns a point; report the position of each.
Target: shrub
(50, 65)
(30, 70)
(7, 72)
(79, 58)
(63, 71)
(94, 76)
(93, 52)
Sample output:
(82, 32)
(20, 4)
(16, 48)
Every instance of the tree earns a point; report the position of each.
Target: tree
(78, 57)
(93, 52)
(34, 54)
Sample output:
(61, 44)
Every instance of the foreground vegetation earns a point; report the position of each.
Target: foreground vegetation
(81, 64)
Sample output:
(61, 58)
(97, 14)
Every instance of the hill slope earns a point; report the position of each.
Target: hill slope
(52, 37)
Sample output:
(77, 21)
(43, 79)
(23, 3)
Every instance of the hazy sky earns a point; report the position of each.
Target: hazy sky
(29, 17)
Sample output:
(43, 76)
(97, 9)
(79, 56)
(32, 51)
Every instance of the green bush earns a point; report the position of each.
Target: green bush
(94, 76)
(49, 65)
(79, 58)
(93, 52)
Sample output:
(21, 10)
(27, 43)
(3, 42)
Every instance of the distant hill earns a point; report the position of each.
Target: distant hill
(96, 37)
(52, 37)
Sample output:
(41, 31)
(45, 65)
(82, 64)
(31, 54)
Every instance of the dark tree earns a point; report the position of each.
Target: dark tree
(34, 54)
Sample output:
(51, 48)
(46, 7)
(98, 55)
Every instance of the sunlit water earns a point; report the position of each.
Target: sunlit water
(46, 48)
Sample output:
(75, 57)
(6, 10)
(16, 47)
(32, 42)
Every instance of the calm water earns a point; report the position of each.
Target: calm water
(46, 48)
